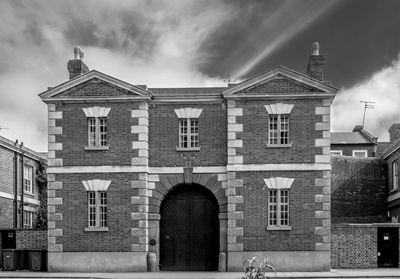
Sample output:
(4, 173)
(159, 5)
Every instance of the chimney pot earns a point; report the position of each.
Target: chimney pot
(394, 132)
(315, 48)
(76, 66)
(76, 53)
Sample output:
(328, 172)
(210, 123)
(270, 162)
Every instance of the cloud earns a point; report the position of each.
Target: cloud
(383, 87)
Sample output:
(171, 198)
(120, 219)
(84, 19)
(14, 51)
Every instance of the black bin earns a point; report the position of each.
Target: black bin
(36, 260)
(9, 259)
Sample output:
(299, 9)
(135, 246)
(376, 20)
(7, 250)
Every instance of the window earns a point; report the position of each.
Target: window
(360, 153)
(97, 127)
(337, 152)
(189, 133)
(97, 208)
(278, 202)
(278, 124)
(278, 130)
(28, 182)
(97, 131)
(395, 175)
(278, 208)
(28, 219)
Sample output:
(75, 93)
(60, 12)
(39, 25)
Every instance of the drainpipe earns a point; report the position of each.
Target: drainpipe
(15, 188)
(22, 185)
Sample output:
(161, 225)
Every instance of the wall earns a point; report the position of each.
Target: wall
(347, 149)
(74, 135)
(164, 136)
(358, 190)
(354, 246)
(31, 239)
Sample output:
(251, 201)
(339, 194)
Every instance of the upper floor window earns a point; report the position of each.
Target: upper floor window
(28, 219)
(97, 127)
(278, 132)
(395, 175)
(188, 128)
(360, 153)
(278, 202)
(188, 133)
(28, 181)
(97, 204)
(337, 152)
(97, 130)
(278, 124)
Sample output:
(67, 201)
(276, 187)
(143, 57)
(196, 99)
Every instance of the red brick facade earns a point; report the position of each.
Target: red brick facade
(143, 161)
(11, 166)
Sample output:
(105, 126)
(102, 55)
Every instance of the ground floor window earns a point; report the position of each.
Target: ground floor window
(97, 208)
(278, 208)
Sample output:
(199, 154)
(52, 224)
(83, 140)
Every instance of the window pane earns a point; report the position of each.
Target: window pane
(183, 131)
(103, 209)
(284, 207)
(92, 131)
(284, 131)
(28, 172)
(92, 208)
(272, 208)
(273, 130)
(103, 131)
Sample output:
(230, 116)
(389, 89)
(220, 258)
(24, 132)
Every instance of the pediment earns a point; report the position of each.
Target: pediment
(95, 85)
(279, 81)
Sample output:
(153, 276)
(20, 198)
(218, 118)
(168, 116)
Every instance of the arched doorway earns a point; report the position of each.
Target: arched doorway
(189, 229)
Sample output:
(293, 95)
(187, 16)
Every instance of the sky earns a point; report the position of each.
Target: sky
(184, 43)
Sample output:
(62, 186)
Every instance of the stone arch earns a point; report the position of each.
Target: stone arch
(169, 181)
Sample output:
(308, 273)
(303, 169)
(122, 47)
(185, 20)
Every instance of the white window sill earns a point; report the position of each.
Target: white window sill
(187, 148)
(29, 193)
(96, 229)
(394, 190)
(269, 145)
(279, 228)
(97, 147)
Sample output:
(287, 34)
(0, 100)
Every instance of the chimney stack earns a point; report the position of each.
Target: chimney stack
(316, 63)
(394, 132)
(77, 67)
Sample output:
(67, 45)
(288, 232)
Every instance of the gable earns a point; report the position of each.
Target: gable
(278, 85)
(95, 85)
(95, 88)
(280, 81)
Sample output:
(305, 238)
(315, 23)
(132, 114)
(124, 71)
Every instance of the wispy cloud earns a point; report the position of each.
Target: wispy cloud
(383, 87)
(283, 24)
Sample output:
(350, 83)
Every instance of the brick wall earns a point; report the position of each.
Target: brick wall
(347, 149)
(31, 239)
(302, 209)
(302, 133)
(73, 236)
(164, 136)
(354, 247)
(358, 190)
(6, 213)
(74, 135)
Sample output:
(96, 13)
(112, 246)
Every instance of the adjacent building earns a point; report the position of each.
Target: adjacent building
(358, 143)
(20, 170)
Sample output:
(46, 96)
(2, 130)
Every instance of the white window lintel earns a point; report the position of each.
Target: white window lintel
(279, 108)
(188, 113)
(96, 185)
(278, 182)
(96, 111)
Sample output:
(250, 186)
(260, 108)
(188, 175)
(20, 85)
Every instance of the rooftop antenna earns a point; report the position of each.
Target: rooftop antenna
(228, 79)
(367, 105)
(3, 128)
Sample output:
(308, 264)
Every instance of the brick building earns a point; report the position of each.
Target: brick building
(197, 178)
(358, 143)
(19, 187)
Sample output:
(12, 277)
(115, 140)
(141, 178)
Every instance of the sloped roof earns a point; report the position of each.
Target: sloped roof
(381, 147)
(391, 149)
(283, 71)
(349, 138)
(9, 144)
(186, 91)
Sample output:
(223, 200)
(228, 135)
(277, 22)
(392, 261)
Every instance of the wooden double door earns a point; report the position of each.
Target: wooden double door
(189, 229)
